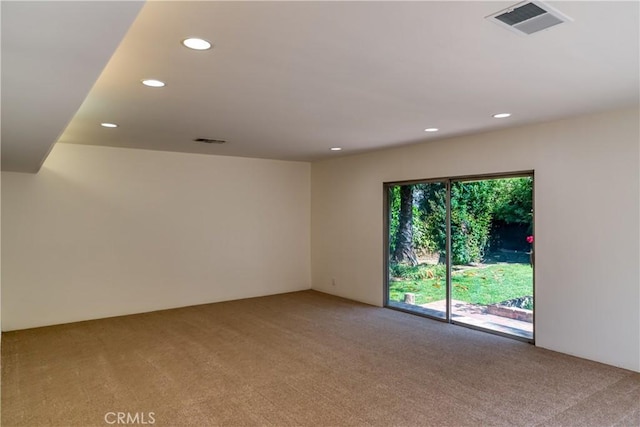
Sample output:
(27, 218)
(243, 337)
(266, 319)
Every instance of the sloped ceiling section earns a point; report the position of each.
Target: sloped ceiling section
(290, 80)
(52, 54)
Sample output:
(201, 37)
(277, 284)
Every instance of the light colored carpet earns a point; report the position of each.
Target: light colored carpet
(300, 359)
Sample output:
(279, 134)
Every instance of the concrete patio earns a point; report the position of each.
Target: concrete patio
(471, 314)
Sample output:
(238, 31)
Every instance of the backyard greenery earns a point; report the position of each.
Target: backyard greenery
(483, 285)
(418, 217)
(491, 236)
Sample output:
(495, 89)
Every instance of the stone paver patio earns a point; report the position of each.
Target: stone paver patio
(471, 314)
(476, 315)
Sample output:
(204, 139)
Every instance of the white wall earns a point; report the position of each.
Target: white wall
(103, 231)
(587, 214)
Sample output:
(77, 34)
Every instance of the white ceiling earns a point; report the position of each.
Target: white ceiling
(289, 80)
(52, 53)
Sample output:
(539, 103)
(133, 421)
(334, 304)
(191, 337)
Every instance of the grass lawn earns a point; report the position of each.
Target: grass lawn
(479, 285)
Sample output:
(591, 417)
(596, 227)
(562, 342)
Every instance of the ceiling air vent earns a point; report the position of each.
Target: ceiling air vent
(528, 17)
(210, 141)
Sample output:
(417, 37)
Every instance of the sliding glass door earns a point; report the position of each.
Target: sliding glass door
(461, 250)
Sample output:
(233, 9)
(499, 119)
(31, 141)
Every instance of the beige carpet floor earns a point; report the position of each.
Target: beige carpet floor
(300, 359)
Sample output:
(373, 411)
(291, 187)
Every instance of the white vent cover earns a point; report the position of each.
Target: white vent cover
(528, 17)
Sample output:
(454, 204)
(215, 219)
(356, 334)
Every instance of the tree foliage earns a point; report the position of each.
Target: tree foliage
(475, 206)
(514, 204)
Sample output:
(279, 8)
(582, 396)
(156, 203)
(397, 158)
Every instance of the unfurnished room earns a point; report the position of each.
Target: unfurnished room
(320, 213)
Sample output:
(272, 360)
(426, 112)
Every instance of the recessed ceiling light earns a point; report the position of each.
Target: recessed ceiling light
(431, 130)
(501, 115)
(196, 43)
(153, 83)
(336, 148)
(108, 125)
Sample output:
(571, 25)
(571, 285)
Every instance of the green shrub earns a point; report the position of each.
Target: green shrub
(474, 207)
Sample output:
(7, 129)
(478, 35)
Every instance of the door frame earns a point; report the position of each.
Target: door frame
(448, 181)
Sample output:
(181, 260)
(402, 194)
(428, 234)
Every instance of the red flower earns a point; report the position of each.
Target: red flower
(529, 239)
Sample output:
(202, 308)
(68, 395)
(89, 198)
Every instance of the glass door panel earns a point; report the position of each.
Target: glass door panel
(417, 244)
(492, 254)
